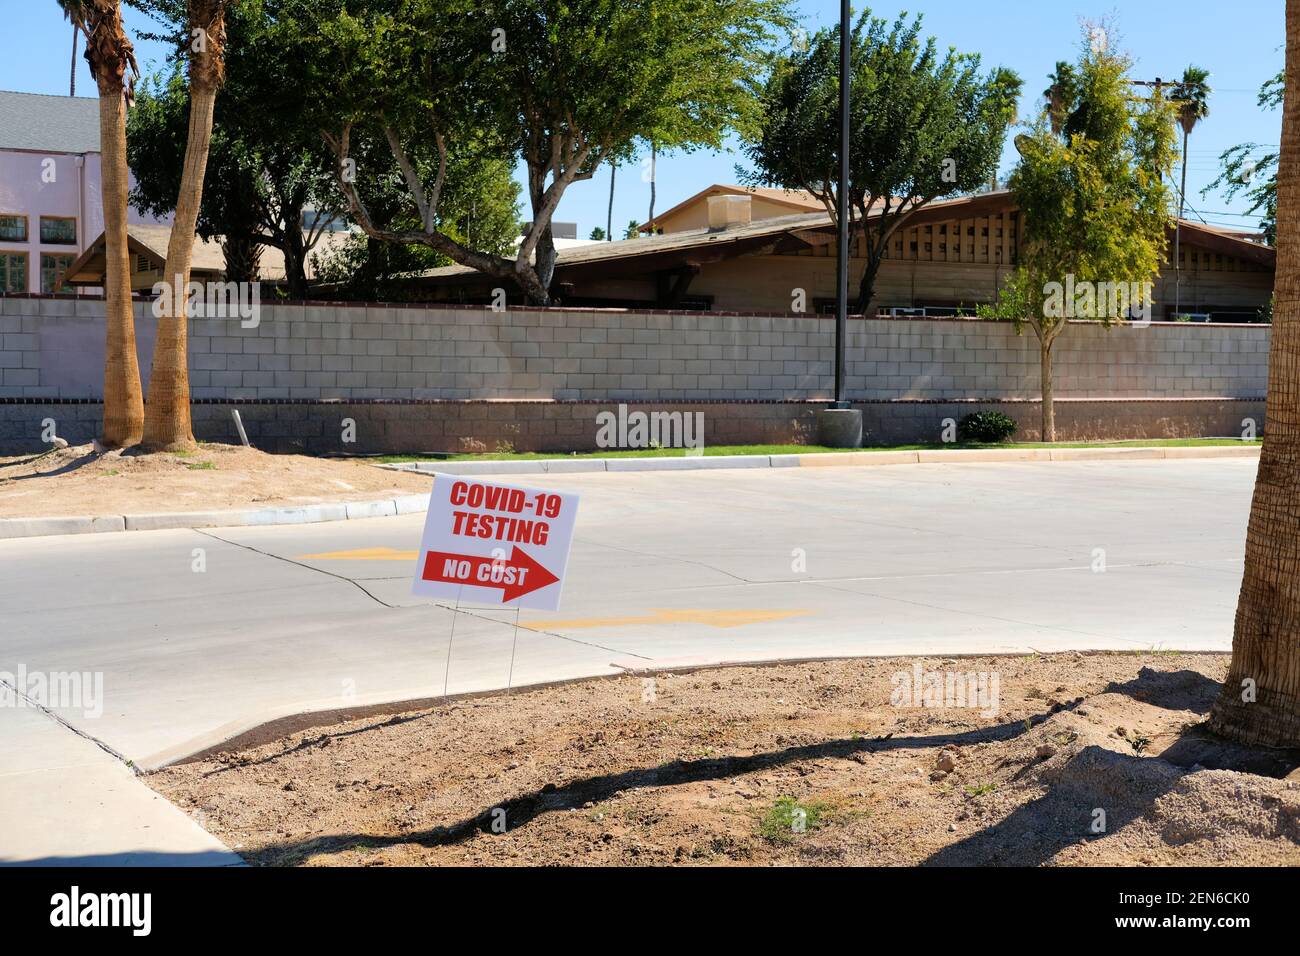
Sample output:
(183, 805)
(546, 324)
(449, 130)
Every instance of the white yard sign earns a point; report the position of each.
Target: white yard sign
(495, 544)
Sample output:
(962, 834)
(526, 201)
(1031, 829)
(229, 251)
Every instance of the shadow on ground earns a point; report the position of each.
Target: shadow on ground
(1093, 777)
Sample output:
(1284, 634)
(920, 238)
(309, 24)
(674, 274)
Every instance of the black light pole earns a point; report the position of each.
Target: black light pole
(842, 266)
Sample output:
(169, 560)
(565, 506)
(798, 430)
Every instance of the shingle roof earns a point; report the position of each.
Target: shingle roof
(206, 257)
(818, 225)
(56, 124)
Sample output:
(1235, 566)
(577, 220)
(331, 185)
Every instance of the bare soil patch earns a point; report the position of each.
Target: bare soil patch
(78, 481)
(789, 764)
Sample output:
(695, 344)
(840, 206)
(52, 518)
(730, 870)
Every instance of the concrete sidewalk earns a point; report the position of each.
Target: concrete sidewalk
(66, 802)
(668, 570)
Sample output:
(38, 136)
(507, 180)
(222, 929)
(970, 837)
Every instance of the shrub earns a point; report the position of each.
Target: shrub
(985, 428)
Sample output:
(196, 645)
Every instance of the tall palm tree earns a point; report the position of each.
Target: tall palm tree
(1059, 94)
(112, 64)
(1193, 95)
(167, 416)
(654, 158)
(609, 216)
(1260, 701)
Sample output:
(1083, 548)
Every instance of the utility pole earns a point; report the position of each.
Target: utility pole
(840, 425)
(845, 233)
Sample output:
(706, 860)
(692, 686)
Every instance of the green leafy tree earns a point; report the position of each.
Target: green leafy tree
(924, 125)
(632, 230)
(561, 85)
(480, 210)
(1251, 170)
(1094, 207)
(266, 167)
(598, 234)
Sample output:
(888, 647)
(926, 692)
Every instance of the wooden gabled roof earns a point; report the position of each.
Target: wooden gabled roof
(208, 260)
(650, 254)
(796, 199)
(143, 239)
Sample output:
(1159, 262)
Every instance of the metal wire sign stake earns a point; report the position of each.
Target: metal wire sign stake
(495, 546)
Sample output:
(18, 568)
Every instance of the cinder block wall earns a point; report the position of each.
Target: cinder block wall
(53, 348)
(437, 378)
(380, 427)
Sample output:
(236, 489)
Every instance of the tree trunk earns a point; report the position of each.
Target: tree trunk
(167, 416)
(295, 260)
(123, 397)
(1045, 342)
(654, 156)
(534, 291)
(242, 257)
(1178, 236)
(546, 258)
(1260, 701)
(609, 216)
(867, 284)
(535, 277)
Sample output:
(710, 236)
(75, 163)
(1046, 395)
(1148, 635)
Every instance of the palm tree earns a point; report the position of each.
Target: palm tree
(1059, 94)
(609, 216)
(1260, 701)
(654, 157)
(167, 422)
(1192, 94)
(112, 65)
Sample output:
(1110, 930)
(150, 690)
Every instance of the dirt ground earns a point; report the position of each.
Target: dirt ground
(77, 481)
(805, 764)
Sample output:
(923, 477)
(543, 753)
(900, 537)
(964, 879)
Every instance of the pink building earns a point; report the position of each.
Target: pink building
(50, 201)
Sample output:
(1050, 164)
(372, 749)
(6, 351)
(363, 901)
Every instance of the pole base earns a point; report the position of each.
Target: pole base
(839, 428)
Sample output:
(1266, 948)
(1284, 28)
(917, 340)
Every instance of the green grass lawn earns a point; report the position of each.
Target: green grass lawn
(714, 450)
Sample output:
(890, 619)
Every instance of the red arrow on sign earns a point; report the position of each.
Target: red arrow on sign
(516, 577)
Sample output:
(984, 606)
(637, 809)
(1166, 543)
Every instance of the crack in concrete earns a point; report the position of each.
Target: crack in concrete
(31, 702)
(469, 612)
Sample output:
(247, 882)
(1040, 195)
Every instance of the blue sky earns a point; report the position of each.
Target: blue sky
(1240, 44)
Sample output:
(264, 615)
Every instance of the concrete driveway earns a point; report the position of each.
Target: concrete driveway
(200, 635)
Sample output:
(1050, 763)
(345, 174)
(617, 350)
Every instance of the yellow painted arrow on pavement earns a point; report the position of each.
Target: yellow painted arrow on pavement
(713, 618)
(708, 616)
(363, 554)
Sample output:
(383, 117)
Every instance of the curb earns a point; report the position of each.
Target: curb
(298, 514)
(822, 460)
(414, 504)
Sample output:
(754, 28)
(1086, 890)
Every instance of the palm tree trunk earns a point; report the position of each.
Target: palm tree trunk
(167, 416)
(609, 216)
(1260, 701)
(1178, 236)
(1045, 341)
(654, 156)
(123, 397)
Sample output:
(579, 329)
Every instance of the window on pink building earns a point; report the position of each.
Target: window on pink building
(58, 231)
(13, 228)
(13, 272)
(52, 267)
